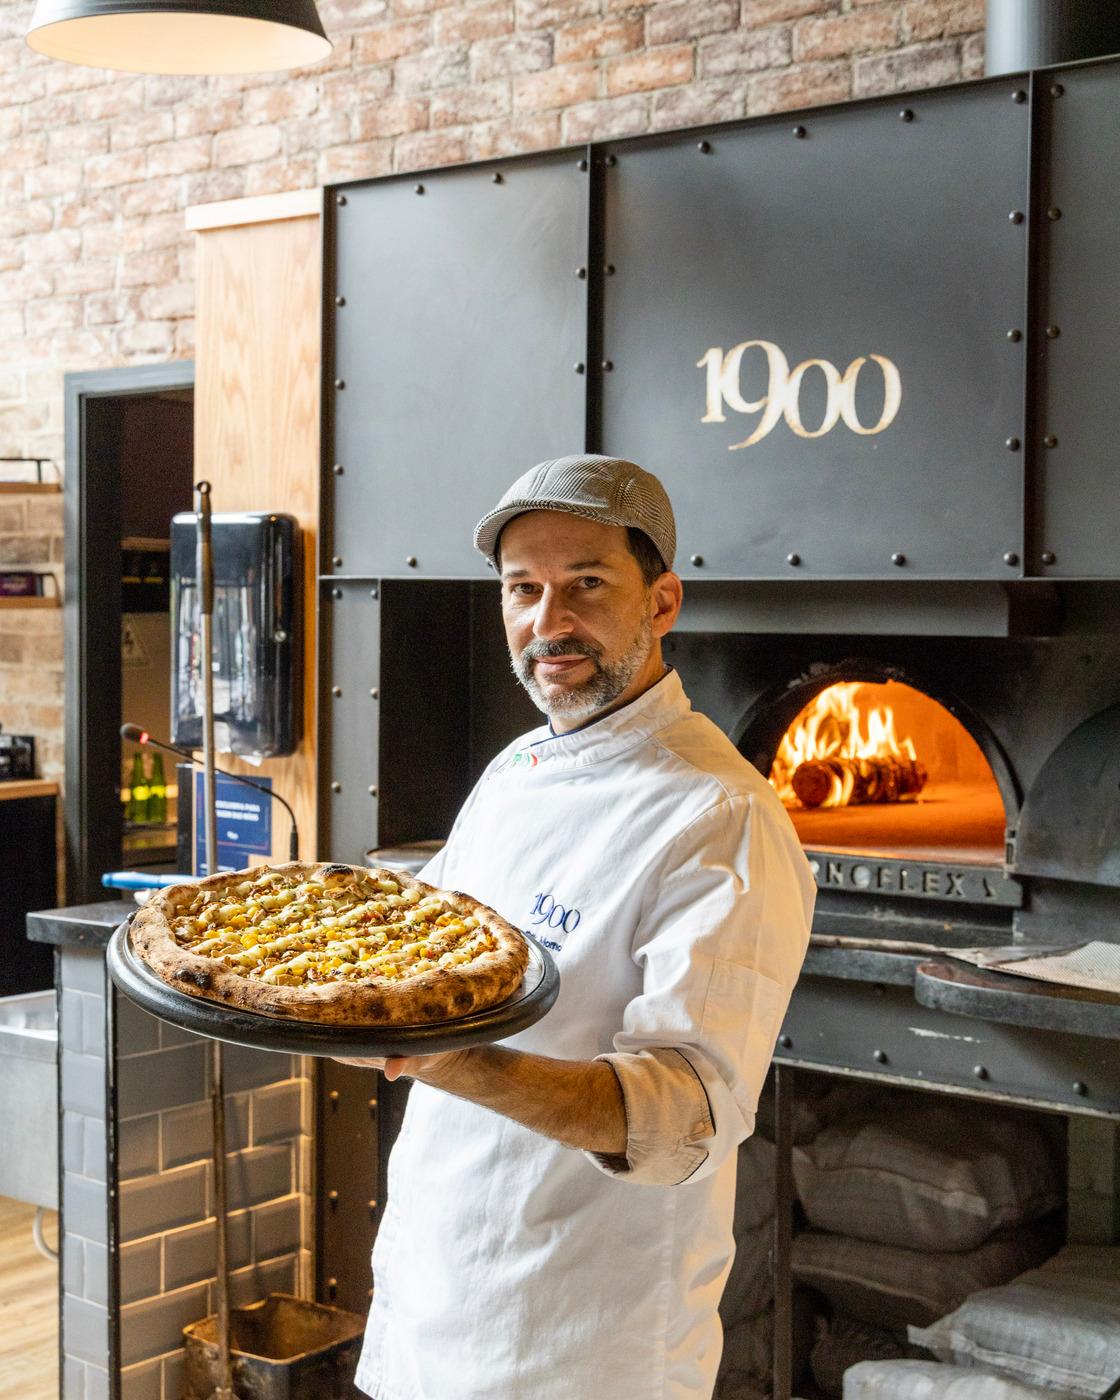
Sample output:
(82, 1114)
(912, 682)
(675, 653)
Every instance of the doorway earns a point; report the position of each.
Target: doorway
(129, 469)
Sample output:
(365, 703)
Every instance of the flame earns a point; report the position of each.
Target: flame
(832, 726)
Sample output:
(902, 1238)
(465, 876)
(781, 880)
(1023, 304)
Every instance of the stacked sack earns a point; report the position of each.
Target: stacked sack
(747, 1306)
(914, 1203)
(1055, 1329)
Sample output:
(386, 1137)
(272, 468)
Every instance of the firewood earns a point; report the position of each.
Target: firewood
(886, 779)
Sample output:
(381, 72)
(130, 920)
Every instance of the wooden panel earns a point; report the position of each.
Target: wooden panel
(27, 787)
(257, 427)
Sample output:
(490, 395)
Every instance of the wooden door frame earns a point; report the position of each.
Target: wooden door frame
(92, 622)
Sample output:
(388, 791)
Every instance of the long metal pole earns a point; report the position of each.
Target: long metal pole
(205, 570)
(783, 1233)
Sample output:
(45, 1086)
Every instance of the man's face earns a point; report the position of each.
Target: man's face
(582, 626)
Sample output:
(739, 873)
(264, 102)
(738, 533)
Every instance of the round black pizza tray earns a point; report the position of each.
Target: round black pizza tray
(537, 992)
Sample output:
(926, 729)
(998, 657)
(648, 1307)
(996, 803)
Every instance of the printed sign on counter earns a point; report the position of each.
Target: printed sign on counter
(243, 817)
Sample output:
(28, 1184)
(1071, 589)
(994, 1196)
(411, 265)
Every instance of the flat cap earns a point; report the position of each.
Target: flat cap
(609, 489)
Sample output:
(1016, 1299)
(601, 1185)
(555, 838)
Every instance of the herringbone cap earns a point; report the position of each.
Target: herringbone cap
(609, 489)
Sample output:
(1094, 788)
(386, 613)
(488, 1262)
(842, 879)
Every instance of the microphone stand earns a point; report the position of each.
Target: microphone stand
(223, 1390)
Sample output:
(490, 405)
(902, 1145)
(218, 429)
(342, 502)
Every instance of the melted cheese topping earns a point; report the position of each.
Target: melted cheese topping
(292, 932)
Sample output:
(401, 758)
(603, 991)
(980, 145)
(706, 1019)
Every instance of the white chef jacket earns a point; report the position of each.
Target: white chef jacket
(666, 877)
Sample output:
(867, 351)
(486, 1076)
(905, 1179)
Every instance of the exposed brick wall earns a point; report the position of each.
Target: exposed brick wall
(97, 168)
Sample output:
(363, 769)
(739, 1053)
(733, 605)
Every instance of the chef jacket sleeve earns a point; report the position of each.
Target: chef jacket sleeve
(721, 940)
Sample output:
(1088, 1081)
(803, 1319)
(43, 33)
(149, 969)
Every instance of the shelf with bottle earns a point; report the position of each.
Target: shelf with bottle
(147, 794)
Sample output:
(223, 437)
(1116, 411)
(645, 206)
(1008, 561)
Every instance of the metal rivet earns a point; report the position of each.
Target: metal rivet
(881, 1057)
(375, 693)
(1014, 335)
(704, 147)
(340, 383)
(581, 164)
(1053, 332)
(333, 1096)
(373, 1206)
(608, 365)
(336, 691)
(580, 368)
(340, 199)
(496, 178)
(906, 115)
(1011, 558)
(1050, 440)
(411, 561)
(611, 161)
(371, 1104)
(332, 1196)
(1016, 216)
(336, 593)
(336, 786)
(793, 559)
(1054, 213)
(1079, 1087)
(332, 1288)
(581, 273)
(1012, 444)
(1048, 556)
(899, 559)
(785, 1041)
(1056, 90)
(418, 189)
(337, 561)
(372, 790)
(697, 560)
(799, 132)
(1018, 95)
(338, 469)
(979, 1071)
(609, 270)
(340, 301)
(373, 592)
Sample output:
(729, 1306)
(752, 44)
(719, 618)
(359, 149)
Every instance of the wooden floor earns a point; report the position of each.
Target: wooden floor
(28, 1306)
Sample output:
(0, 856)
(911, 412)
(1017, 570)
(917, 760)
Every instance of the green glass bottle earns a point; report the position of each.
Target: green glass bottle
(137, 809)
(157, 791)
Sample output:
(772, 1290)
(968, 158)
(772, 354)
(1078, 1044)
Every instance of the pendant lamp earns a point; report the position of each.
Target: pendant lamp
(180, 36)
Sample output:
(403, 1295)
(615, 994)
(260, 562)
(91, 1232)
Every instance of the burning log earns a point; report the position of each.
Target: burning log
(852, 781)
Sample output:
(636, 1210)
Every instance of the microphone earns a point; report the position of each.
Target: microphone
(136, 735)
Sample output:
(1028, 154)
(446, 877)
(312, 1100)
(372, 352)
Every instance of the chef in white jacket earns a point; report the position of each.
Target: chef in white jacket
(558, 1224)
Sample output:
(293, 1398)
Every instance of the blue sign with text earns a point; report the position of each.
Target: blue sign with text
(243, 817)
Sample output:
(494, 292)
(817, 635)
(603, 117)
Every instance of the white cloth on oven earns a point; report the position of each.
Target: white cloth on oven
(670, 885)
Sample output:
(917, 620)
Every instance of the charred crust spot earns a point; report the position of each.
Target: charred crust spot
(335, 870)
(199, 976)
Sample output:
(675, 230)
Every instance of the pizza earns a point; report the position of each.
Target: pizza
(336, 944)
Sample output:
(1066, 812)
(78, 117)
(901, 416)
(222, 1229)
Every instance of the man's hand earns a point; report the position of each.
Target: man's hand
(576, 1102)
(409, 1066)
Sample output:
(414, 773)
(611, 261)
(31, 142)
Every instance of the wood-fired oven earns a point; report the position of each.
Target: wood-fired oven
(869, 349)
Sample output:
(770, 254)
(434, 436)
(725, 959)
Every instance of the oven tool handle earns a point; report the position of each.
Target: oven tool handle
(879, 945)
(1112, 1391)
(205, 569)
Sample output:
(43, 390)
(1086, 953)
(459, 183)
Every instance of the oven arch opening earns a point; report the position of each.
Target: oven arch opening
(870, 759)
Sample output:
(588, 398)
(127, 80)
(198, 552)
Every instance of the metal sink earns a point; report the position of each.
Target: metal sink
(29, 1098)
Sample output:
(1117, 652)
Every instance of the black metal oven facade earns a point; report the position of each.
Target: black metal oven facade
(870, 351)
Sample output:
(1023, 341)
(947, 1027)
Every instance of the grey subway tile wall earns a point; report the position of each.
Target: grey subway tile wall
(163, 1176)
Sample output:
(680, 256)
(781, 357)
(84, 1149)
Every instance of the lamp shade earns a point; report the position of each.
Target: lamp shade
(180, 36)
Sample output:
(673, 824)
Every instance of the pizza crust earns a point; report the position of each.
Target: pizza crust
(423, 998)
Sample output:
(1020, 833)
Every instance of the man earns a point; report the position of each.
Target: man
(559, 1211)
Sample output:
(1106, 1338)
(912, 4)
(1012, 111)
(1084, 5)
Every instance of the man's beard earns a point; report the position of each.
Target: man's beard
(606, 683)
